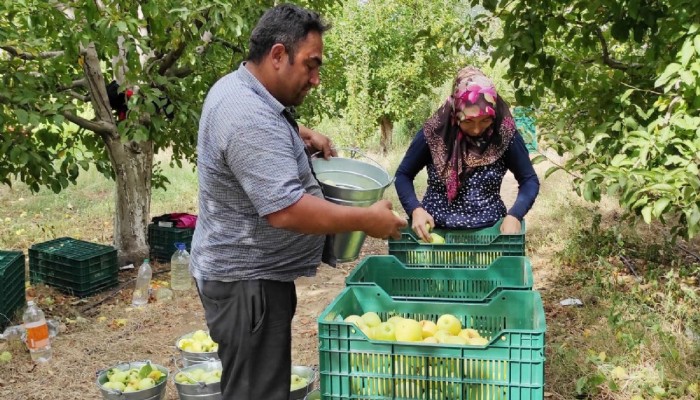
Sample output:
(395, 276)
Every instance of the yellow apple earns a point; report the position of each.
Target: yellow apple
(199, 336)
(145, 383)
(449, 323)
(298, 382)
(468, 333)
(114, 385)
(440, 335)
(409, 330)
(455, 340)
(394, 320)
(430, 339)
(385, 331)
(437, 239)
(354, 319)
(428, 328)
(478, 341)
(371, 319)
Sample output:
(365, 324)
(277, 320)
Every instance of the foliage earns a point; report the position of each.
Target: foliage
(382, 56)
(618, 82)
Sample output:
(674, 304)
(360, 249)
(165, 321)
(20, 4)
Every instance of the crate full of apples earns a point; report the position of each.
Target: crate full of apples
(373, 346)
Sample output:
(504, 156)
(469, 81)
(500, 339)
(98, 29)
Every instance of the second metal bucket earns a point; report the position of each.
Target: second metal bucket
(351, 182)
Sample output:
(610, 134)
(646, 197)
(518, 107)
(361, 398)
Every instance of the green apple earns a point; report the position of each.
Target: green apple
(130, 389)
(428, 328)
(113, 385)
(180, 377)
(371, 318)
(408, 330)
(385, 331)
(5, 357)
(437, 239)
(210, 378)
(298, 382)
(118, 376)
(394, 320)
(200, 336)
(145, 383)
(449, 323)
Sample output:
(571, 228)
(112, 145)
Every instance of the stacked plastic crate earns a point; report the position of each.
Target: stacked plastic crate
(479, 276)
(74, 266)
(162, 239)
(12, 285)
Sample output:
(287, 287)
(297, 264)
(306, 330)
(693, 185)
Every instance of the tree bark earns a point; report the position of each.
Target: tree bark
(132, 163)
(387, 127)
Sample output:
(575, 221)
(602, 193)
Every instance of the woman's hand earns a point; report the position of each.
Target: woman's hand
(419, 219)
(317, 142)
(510, 225)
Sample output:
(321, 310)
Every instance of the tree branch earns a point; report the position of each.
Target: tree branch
(81, 97)
(179, 72)
(607, 60)
(98, 127)
(227, 44)
(80, 83)
(170, 58)
(28, 56)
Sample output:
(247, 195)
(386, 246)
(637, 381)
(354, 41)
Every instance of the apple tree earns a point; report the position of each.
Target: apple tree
(381, 56)
(618, 82)
(108, 83)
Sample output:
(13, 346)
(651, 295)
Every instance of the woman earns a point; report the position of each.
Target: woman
(467, 146)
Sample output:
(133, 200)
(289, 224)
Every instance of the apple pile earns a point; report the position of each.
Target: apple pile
(199, 342)
(447, 330)
(134, 379)
(198, 375)
(298, 382)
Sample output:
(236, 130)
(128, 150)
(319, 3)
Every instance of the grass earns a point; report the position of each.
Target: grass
(631, 338)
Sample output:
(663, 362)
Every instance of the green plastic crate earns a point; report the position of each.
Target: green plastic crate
(74, 266)
(161, 241)
(468, 248)
(448, 284)
(511, 366)
(12, 285)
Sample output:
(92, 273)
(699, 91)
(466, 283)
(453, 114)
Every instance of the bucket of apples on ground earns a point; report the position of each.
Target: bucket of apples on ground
(197, 347)
(136, 380)
(201, 381)
(303, 379)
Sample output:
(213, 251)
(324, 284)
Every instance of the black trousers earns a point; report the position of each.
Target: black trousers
(252, 323)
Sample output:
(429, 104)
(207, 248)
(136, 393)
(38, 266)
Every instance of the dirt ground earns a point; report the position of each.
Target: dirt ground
(104, 330)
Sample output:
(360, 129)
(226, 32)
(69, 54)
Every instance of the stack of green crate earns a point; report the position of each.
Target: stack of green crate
(472, 248)
(430, 284)
(74, 266)
(510, 366)
(161, 241)
(12, 285)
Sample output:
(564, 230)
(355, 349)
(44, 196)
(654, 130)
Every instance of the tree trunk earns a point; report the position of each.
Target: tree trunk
(132, 163)
(387, 133)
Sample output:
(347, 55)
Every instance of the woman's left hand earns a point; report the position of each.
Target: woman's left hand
(318, 142)
(510, 225)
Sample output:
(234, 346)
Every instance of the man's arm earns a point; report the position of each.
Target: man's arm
(313, 215)
(317, 142)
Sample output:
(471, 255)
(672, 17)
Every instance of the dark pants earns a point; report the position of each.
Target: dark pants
(252, 323)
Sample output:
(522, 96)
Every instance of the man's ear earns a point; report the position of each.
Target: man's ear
(278, 55)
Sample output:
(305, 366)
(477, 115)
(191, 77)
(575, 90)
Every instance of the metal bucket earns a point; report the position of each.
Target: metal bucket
(310, 376)
(313, 395)
(155, 393)
(190, 358)
(351, 182)
(200, 390)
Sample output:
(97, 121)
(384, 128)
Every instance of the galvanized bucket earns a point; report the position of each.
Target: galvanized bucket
(313, 395)
(200, 390)
(304, 372)
(190, 358)
(351, 182)
(155, 393)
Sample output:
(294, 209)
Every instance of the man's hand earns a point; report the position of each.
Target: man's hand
(422, 223)
(510, 225)
(384, 222)
(317, 142)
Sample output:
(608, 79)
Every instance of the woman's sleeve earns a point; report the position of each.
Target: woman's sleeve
(517, 160)
(417, 156)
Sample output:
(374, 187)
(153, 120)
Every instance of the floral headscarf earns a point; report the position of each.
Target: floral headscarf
(456, 154)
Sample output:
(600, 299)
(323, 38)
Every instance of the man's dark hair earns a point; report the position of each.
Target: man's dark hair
(286, 24)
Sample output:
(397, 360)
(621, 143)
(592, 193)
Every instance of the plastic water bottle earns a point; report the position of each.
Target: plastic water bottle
(37, 331)
(143, 284)
(180, 278)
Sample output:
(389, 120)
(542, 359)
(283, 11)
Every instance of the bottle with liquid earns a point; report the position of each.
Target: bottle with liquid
(37, 331)
(143, 284)
(180, 278)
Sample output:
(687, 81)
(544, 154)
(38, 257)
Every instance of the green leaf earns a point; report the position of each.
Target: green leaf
(696, 43)
(620, 31)
(646, 214)
(551, 170)
(22, 116)
(490, 5)
(687, 52)
(666, 75)
(145, 370)
(538, 159)
(660, 205)
(121, 26)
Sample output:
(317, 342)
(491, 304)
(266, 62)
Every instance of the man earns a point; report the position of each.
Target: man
(262, 217)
